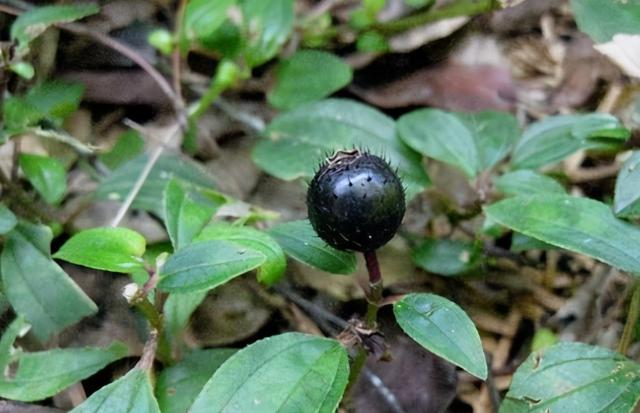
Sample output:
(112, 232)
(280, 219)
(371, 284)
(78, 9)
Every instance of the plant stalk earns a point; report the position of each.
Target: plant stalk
(632, 320)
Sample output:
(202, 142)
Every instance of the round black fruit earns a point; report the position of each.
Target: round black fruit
(355, 201)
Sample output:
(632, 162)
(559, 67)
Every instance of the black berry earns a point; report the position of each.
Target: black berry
(355, 201)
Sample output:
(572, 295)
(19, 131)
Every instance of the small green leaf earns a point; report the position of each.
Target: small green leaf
(7, 220)
(443, 328)
(202, 18)
(442, 136)
(578, 224)
(626, 202)
(47, 175)
(184, 217)
(34, 22)
(179, 385)
(372, 41)
(128, 146)
(446, 257)
(117, 185)
(36, 286)
(521, 242)
(162, 40)
(109, 249)
(16, 329)
(19, 114)
(23, 69)
(575, 377)
(527, 182)
(300, 241)
(555, 137)
(602, 20)
(56, 100)
(206, 265)
(177, 311)
(296, 142)
(307, 76)
(273, 268)
(267, 25)
(131, 393)
(291, 372)
(46, 373)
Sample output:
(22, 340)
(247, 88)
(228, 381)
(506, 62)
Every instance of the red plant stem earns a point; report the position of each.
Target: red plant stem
(373, 267)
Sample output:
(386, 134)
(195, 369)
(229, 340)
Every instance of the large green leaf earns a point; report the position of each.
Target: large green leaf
(527, 182)
(298, 141)
(555, 137)
(46, 373)
(34, 22)
(603, 19)
(446, 257)
(184, 217)
(307, 76)
(273, 268)
(300, 241)
(202, 18)
(577, 224)
(442, 136)
(106, 248)
(36, 286)
(291, 372)
(574, 377)
(443, 328)
(117, 185)
(267, 26)
(47, 175)
(7, 220)
(206, 265)
(626, 202)
(131, 393)
(179, 385)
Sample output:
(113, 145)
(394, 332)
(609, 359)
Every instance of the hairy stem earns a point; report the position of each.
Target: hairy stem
(632, 320)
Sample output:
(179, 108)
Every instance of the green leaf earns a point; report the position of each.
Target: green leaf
(34, 22)
(273, 268)
(177, 311)
(521, 242)
(56, 100)
(7, 220)
(117, 185)
(17, 328)
(574, 377)
(267, 25)
(626, 201)
(446, 257)
(290, 372)
(184, 217)
(443, 328)
(47, 175)
(106, 248)
(131, 393)
(206, 265)
(179, 385)
(578, 224)
(602, 20)
(36, 286)
(307, 76)
(202, 18)
(19, 115)
(297, 141)
(442, 136)
(494, 133)
(300, 241)
(555, 137)
(127, 147)
(46, 373)
(527, 182)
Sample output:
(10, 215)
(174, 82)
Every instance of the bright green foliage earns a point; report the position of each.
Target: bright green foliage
(131, 393)
(266, 25)
(106, 248)
(574, 377)
(291, 372)
(443, 328)
(127, 147)
(46, 373)
(307, 76)
(527, 182)
(446, 257)
(7, 220)
(47, 175)
(202, 18)
(603, 19)
(300, 241)
(36, 286)
(273, 268)
(296, 142)
(206, 265)
(578, 224)
(626, 202)
(179, 385)
(555, 137)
